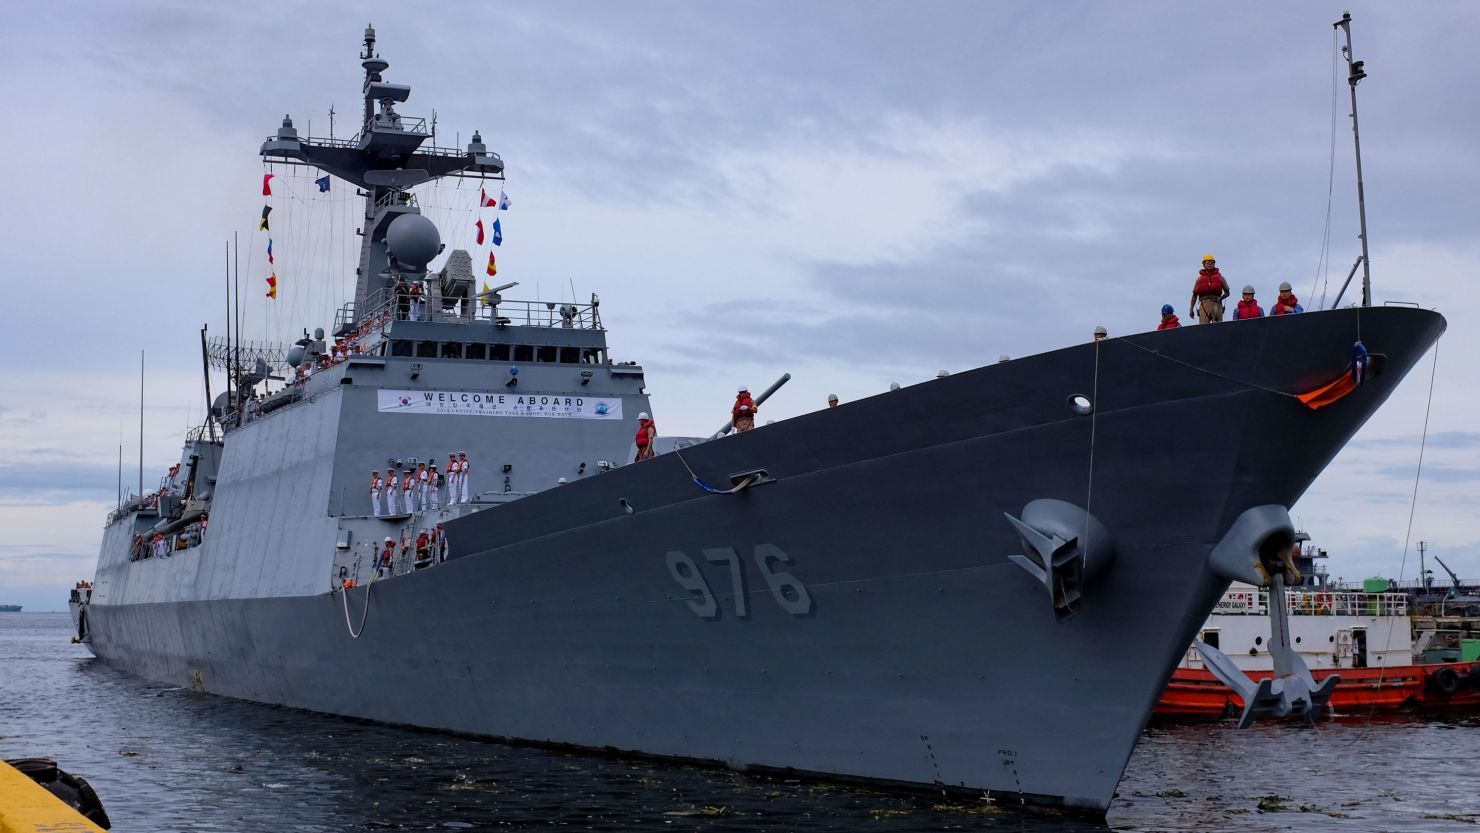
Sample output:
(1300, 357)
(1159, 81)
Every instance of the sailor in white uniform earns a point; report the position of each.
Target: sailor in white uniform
(462, 476)
(376, 487)
(394, 496)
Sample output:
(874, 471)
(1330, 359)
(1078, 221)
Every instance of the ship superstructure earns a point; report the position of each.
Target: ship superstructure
(942, 586)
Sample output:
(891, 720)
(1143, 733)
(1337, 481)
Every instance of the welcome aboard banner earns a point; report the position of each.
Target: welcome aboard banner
(469, 403)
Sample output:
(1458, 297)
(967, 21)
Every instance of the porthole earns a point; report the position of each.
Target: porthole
(1081, 404)
(1297, 640)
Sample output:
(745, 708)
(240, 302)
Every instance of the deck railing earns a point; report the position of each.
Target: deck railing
(1255, 602)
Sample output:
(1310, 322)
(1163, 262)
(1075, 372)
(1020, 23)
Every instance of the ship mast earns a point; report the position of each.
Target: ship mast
(1356, 73)
(385, 160)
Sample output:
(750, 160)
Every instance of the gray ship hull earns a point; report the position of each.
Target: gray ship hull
(856, 614)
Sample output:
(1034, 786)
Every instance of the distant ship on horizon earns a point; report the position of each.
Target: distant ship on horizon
(10, 608)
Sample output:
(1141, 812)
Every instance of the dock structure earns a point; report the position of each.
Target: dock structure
(27, 807)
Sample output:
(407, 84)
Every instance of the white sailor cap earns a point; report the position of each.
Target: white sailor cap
(389, 540)
(743, 389)
(1285, 287)
(643, 415)
(832, 397)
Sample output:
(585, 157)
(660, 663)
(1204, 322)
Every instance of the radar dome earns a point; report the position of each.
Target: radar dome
(413, 240)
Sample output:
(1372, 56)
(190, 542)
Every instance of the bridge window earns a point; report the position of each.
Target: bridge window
(451, 350)
(499, 353)
(524, 352)
(593, 355)
(570, 355)
(401, 347)
(477, 351)
(426, 349)
(545, 354)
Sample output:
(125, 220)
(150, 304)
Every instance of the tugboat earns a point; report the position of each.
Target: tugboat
(940, 587)
(1365, 638)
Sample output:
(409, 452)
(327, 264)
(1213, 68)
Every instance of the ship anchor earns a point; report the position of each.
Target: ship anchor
(1051, 532)
(1256, 550)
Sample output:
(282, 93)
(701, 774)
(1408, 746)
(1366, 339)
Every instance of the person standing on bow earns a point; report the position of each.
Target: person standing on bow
(1168, 318)
(1208, 293)
(376, 485)
(742, 415)
(1286, 303)
(647, 432)
(1248, 306)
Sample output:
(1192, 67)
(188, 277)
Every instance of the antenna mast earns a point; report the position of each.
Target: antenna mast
(1356, 73)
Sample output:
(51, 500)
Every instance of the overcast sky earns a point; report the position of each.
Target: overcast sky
(856, 193)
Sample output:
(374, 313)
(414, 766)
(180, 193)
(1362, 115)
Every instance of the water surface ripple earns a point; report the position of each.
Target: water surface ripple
(164, 759)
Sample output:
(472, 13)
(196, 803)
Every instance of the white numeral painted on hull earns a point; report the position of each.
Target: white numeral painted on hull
(788, 591)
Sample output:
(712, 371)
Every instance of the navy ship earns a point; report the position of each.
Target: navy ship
(10, 608)
(945, 586)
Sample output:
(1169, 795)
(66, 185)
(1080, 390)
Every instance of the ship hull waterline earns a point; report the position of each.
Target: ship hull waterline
(879, 632)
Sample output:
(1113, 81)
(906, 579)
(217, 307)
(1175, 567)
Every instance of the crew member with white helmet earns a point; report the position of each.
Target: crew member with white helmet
(647, 432)
(1286, 303)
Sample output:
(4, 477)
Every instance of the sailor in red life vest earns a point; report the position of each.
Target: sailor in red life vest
(174, 473)
(462, 476)
(416, 301)
(646, 433)
(1208, 292)
(742, 415)
(387, 558)
(1248, 306)
(1168, 318)
(408, 491)
(1286, 303)
(423, 549)
(376, 487)
(392, 492)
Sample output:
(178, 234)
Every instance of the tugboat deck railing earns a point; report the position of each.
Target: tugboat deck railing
(1255, 602)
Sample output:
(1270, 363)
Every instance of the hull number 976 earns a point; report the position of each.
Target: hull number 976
(789, 593)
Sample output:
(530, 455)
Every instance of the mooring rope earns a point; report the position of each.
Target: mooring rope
(364, 615)
(1215, 373)
(749, 481)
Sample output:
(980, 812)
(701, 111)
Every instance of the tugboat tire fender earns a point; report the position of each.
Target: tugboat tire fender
(1444, 680)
